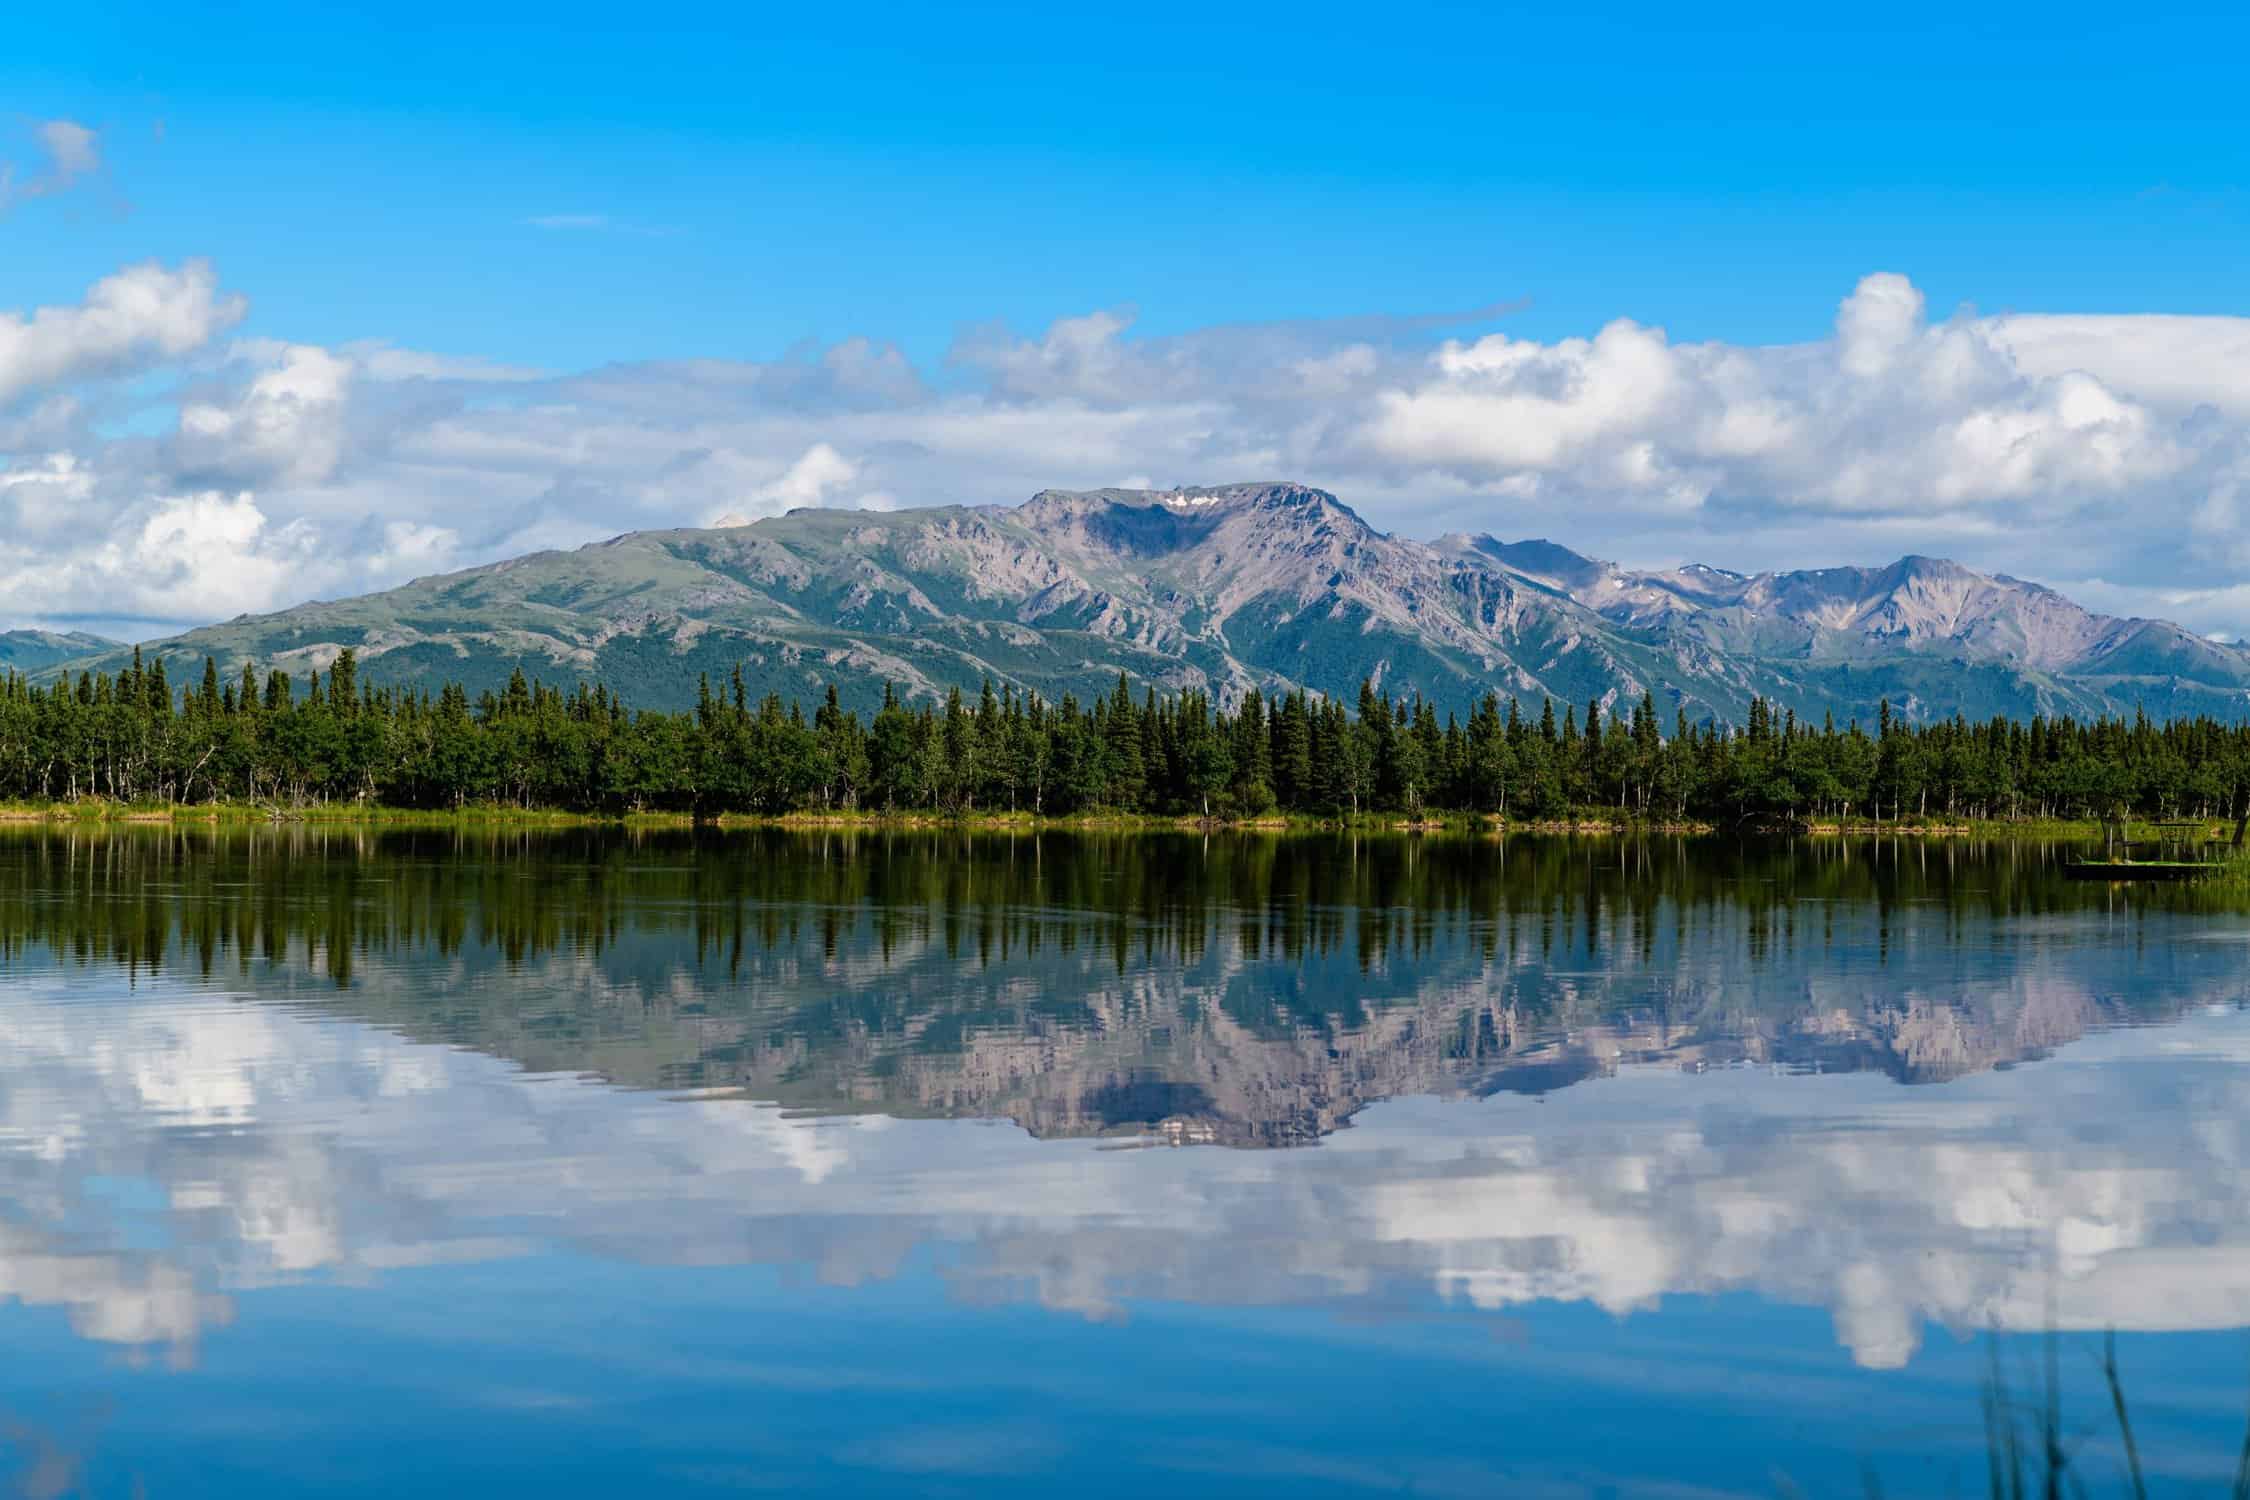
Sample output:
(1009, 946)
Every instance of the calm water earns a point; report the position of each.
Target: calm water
(598, 1165)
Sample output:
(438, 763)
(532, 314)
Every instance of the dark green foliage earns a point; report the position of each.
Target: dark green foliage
(132, 737)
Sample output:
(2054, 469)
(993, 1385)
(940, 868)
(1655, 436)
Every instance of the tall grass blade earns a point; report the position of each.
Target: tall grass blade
(2124, 1420)
(2002, 1445)
(2242, 1469)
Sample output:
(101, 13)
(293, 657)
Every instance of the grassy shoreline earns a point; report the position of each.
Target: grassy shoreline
(1592, 822)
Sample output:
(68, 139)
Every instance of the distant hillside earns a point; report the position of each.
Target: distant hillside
(37, 650)
(1237, 588)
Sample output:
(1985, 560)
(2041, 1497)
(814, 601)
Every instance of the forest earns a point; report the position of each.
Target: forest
(137, 738)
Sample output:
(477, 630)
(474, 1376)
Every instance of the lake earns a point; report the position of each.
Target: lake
(599, 1162)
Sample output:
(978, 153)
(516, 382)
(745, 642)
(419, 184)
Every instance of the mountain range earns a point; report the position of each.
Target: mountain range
(34, 651)
(1236, 588)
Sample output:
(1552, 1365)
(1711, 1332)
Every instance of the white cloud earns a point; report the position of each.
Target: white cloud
(808, 482)
(1877, 324)
(72, 151)
(1079, 356)
(206, 555)
(378, 360)
(46, 497)
(72, 148)
(817, 473)
(210, 550)
(2177, 362)
(2013, 443)
(1504, 405)
(1892, 416)
(1980, 1202)
(411, 549)
(140, 316)
(287, 424)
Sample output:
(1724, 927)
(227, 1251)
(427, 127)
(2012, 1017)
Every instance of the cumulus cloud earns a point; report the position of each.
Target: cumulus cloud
(811, 478)
(286, 425)
(413, 547)
(2013, 442)
(138, 317)
(2181, 362)
(816, 474)
(176, 557)
(206, 547)
(1079, 356)
(1894, 415)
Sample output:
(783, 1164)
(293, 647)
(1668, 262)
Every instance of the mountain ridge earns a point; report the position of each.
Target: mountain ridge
(39, 650)
(1267, 587)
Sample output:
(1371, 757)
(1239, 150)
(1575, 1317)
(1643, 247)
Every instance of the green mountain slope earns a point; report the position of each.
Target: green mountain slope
(38, 650)
(1256, 587)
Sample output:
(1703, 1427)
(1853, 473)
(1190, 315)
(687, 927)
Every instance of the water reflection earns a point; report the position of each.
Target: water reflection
(1240, 991)
(1575, 1072)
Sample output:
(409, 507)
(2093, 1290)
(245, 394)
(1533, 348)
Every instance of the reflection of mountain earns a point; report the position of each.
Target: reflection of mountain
(1248, 992)
(274, 1144)
(336, 1112)
(1168, 1055)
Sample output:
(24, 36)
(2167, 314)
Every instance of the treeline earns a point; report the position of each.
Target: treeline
(136, 738)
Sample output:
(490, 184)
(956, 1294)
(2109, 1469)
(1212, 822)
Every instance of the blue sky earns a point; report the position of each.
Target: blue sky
(322, 297)
(775, 175)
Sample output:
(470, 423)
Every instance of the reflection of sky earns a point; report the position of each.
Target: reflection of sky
(426, 1234)
(167, 1150)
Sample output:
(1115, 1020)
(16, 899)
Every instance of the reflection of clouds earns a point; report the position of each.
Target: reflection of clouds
(1223, 1039)
(270, 1143)
(2097, 1179)
(112, 1298)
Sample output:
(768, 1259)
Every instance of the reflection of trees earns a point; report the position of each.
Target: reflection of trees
(1253, 990)
(1247, 991)
(192, 896)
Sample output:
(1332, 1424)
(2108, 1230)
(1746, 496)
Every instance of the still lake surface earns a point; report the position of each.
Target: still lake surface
(374, 1163)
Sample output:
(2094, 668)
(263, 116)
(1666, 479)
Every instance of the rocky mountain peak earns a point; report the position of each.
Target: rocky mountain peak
(1152, 523)
(1266, 586)
(1539, 560)
(1268, 496)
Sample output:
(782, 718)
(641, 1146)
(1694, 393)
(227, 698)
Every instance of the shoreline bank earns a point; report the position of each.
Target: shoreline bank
(1587, 824)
